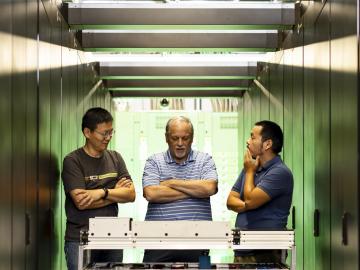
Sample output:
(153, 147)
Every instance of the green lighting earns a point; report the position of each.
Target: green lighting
(180, 27)
(177, 77)
(221, 88)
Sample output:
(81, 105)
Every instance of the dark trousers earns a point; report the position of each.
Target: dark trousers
(154, 256)
(260, 256)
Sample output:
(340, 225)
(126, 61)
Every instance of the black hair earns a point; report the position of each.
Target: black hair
(272, 131)
(95, 116)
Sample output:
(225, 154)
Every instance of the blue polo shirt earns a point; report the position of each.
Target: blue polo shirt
(162, 167)
(276, 180)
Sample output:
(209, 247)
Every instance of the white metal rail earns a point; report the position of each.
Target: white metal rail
(123, 233)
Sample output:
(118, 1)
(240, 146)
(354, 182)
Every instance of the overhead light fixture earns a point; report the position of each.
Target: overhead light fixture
(165, 59)
(164, 102)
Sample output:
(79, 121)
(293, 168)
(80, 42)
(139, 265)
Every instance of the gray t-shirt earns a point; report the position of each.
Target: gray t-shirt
(85, 172)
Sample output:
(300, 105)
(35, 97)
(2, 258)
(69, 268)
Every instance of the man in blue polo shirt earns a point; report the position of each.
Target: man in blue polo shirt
(178, 184)
(263, 192)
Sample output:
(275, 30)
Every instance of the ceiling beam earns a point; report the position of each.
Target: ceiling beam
(176, 83)
(112, 69)
(190, 93)
(181, 13)
(199, 40)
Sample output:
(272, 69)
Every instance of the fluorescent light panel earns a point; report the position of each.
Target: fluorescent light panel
(179, 31)
(232, 88)
(182, 4)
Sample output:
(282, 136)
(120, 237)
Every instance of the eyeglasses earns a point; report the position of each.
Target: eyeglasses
(108, 133)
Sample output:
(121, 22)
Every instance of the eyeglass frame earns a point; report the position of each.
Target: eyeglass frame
(106, 134)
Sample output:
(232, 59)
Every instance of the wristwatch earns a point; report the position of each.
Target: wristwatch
(106, 193)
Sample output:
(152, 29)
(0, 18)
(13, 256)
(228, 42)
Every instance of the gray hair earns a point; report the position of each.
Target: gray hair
(179, 119)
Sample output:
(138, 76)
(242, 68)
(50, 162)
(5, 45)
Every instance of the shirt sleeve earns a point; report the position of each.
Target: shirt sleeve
(239, 183)
(209, 169)
(72, 175)
(151, 175)
(122, 170)
(276, 182)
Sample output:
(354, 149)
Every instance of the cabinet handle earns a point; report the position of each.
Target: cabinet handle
(293, 217)
(27, 229)
(130, 224)
(316, 222)
(345, 228)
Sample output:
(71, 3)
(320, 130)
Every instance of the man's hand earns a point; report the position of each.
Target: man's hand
(250, 164)
(124, 183)
(235, 203)
(163, 194)
(194, 188)
(123, 191)
(93, 198)
(254, 197)
(84, 198)
(167, 183)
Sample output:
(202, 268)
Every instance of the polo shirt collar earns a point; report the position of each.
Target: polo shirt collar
(169, 159)
(271, 162)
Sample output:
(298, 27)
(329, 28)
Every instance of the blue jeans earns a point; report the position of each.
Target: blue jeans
(72, 254)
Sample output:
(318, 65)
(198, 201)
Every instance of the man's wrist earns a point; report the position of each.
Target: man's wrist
(245, 206)
(106, 193)
(250, 170)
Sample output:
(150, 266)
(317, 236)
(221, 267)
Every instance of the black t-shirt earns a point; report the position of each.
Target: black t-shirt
(85, 172)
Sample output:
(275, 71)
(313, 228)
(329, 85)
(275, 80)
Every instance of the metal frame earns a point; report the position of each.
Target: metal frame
(122, 233)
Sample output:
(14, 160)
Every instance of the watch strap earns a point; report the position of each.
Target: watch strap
(106, 193)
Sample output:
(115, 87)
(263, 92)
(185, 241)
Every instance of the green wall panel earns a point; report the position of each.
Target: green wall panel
(309, 143)
(5, 116)
(56, 193)
(18, 82)
(320, 115)
(309, 163)
(322, 136)
(81, 95)
(248, 119)
(344, 132)
(288, 108)
(39, 114)
(255, 108)
(44, 150)
(287, 153)
(31, 131)
(298, 151)
(265, 95)
(276, 89)
(241, 131)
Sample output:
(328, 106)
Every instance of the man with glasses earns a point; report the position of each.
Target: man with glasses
(95, 181)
